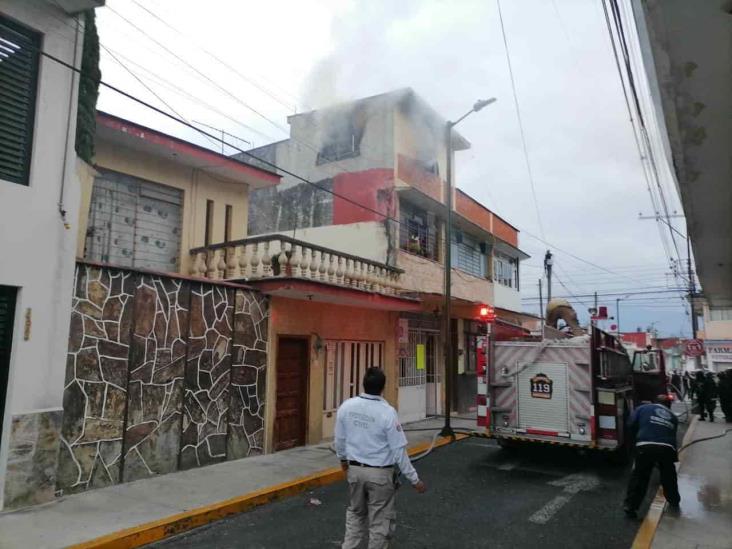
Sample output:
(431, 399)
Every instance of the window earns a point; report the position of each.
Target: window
(208, 235)
(468, 254)
(227, 223)
(418, 231)
(342, 134)
(18, 79)
(505, 270)
(720, 313)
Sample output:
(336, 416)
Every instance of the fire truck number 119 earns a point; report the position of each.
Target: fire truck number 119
(541, 386)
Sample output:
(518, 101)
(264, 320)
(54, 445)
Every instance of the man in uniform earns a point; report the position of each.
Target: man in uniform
(370, 443)
(654, 427)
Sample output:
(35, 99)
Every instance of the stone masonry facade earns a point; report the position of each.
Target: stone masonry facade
(163, 373)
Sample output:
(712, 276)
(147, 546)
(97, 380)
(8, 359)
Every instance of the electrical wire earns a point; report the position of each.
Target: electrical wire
(520, 121)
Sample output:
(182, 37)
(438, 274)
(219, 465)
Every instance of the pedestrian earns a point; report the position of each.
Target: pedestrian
(676, 384)
(687, 385)
(371, 445)
(724, 388)
(701, 398)
(654, 429)
(710, 395)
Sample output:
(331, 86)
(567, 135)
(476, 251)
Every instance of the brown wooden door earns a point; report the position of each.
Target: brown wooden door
(292, 391)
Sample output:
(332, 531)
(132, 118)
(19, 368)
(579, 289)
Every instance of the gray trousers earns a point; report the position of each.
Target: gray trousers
(371, 511)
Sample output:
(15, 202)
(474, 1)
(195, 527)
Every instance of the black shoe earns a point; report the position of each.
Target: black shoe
(711, 419)
(630, 513)
(674, 509)
(701, 418)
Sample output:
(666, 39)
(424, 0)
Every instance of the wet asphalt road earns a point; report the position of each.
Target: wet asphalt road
(478, 496)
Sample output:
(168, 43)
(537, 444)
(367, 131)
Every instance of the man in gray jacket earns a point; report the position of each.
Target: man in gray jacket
(370, 443)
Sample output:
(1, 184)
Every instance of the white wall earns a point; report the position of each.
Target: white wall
(366, 239)
(506, 298)
(37, 250)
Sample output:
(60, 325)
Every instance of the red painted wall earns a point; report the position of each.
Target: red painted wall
(363, 188)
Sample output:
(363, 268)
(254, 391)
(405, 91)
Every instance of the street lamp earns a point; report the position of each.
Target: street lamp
(477, 106)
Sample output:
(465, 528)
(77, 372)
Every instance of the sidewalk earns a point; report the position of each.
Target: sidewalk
(81, 517)
(705, 484)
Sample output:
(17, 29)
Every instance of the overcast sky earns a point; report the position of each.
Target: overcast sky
(280, 56)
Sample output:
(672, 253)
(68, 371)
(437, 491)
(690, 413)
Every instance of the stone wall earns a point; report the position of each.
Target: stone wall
(162, 374)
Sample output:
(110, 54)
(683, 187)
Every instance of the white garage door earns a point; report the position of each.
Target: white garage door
(542, 396)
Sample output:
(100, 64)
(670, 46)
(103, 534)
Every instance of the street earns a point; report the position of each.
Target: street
(478, 496)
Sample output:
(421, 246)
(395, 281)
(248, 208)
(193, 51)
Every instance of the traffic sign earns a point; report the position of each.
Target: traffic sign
(694, 347)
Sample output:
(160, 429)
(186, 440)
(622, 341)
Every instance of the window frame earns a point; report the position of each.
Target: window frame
(35, 38)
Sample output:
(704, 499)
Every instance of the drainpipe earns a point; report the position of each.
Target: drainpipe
(62, 191)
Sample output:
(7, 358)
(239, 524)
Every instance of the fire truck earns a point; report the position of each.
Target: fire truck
(574, 391)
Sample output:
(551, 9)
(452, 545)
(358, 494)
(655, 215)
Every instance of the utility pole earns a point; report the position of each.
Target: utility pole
(692, 293)
(548, 262)
(541, 305)
(596, 303)
(447, 309)
(617, 313)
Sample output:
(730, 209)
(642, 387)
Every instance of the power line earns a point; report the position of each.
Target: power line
(520, 121)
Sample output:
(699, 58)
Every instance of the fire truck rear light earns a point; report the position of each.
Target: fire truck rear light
(671, 397)
(581, 430)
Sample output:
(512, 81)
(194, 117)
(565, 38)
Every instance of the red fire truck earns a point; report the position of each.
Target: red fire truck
(575, 391)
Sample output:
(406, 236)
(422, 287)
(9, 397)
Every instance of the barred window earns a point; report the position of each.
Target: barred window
(418, 231)
(468, 254)
(18, 79)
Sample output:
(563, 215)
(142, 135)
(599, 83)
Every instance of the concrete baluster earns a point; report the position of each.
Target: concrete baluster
(339, 271)
(314, 264)
(232, 263)
(305, 262)
(282, 258)
(244, 258)
(255, 262)
(266, 260)
(296, 260)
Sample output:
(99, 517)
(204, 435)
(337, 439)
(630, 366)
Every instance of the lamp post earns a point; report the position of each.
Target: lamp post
(480, 104)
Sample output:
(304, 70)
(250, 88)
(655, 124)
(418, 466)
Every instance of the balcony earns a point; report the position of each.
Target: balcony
(271, 257)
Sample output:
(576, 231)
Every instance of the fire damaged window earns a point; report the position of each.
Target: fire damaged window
(418, 231)
(342, 136)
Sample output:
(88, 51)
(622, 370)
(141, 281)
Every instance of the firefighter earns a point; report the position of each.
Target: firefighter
(687, 385)
(654, 428)
(676, 384)
(706, 390)
(371, 445)
(724, 388)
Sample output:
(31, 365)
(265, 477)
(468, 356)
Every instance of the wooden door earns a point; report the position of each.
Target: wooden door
(292, 391)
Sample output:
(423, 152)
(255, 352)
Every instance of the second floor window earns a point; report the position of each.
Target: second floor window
(418, 231)
(468, 254)
(18, 80)
(505, 270)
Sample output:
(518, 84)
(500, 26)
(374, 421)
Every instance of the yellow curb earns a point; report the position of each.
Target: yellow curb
(182, 522)
(647, 531)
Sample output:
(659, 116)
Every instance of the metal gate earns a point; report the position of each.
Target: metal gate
(134, 223)
(542, 397)
(420, 379)
(345, 365)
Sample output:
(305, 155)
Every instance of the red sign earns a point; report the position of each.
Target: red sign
(694, 347)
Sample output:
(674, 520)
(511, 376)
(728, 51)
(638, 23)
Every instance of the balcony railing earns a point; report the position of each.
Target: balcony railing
(279, 256)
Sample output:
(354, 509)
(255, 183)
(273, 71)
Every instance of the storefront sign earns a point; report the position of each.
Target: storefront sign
(421, 356)
(718, 350)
